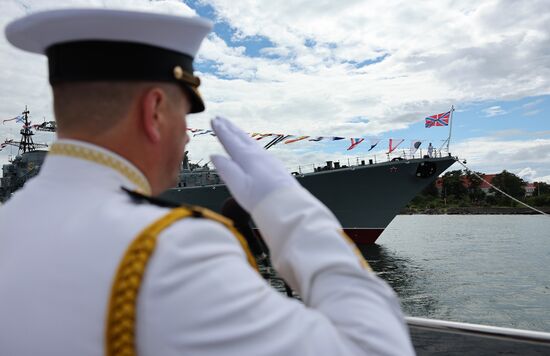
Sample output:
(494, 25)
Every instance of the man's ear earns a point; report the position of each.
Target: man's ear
(152, 101)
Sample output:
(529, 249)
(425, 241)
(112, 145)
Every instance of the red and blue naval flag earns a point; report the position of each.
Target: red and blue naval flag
(438, 119)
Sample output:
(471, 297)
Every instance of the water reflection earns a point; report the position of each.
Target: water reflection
(409, 280)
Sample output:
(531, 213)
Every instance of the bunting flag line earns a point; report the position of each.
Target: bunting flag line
(415, 144)
(204, 132)
(5, 144)
(299, 138)
(317, 139)
(438, 119)
(355, 142)
(393, 144)
(373, 144)
(18, 119)
(276, 140)
(260, 136)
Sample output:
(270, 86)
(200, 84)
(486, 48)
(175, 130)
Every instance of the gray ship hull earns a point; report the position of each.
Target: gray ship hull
(364, 198)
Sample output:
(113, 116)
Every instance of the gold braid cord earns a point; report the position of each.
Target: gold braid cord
(132, 174)
(121, 319)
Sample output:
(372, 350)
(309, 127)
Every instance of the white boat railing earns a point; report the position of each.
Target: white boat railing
(450, 338)
(479, 330)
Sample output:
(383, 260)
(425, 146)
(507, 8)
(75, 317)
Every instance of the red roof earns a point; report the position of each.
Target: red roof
(488, 178)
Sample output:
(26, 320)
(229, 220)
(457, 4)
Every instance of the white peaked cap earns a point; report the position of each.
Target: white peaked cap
(38, 31)
(114, 45)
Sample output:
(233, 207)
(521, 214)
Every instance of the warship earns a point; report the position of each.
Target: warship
(364, 196)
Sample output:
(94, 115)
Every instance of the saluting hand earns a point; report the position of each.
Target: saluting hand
(250, 172)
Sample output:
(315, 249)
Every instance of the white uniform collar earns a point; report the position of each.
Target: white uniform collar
(129, 175)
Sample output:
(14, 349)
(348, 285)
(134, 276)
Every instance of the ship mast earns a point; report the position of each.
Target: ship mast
(26, 144)
(448, 140)
(450, 126)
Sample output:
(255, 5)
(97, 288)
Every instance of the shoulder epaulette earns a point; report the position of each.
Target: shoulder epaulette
(196, 211)
(141, 198)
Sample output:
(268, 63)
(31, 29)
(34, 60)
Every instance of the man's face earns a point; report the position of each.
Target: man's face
(176, 137)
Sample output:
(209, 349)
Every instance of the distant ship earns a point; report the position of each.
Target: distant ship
(364, 197)
(29, 157)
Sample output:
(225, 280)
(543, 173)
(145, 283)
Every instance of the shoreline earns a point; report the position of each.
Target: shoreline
(473, 211)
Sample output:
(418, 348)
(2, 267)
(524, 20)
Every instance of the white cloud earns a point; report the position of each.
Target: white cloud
(494, 111)
(469, 57)
(493, 155)
(472, 45)
(527, 173)
(545, 179)
(436, 53)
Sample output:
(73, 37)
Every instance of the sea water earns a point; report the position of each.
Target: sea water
(485, 269)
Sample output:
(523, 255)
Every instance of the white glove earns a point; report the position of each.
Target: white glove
(250, 173)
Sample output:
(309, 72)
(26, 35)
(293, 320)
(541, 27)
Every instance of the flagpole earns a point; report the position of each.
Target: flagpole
(450, 127)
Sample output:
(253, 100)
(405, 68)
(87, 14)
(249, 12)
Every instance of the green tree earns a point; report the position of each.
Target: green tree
(475, 193)
(539, 200)
(453, 185)
(431, 190)
(541, 195)
(510, 184)
(541, 188)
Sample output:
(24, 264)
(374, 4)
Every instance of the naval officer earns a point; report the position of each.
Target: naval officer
(91, 265)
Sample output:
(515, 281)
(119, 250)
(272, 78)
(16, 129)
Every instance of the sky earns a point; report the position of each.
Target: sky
(353, 68)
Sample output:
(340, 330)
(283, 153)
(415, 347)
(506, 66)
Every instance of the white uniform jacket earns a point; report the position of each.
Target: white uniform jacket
(63, 235)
